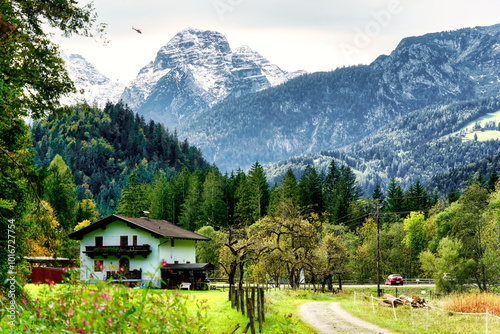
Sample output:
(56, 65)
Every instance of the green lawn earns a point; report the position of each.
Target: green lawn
(281, 308)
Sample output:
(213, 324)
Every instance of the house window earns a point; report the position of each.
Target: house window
(98, 241)
(97, 265)
(134, 240)
(124, 240)
(171, 242)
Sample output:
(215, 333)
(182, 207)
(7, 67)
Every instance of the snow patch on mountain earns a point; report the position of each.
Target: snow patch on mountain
(97, 88)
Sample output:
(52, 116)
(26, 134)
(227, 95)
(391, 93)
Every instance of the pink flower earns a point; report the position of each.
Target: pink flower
(110, 323)
(23, 301)
(70, 313)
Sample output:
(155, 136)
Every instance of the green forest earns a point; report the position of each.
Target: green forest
(103, 147)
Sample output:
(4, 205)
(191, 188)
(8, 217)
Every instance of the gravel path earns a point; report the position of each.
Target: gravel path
(329, 318)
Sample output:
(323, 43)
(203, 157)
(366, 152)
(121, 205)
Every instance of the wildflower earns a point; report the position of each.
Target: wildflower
(70, 312)
(23, 301)
(110, 322)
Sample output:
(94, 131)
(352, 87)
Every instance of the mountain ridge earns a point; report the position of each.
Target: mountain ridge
(331, 110)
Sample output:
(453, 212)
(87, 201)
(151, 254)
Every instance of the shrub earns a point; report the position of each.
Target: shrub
(106, 308)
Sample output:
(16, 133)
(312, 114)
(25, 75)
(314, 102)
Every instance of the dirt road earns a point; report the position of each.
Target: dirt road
(329, 318)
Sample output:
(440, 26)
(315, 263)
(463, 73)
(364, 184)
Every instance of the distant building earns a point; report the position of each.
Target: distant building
(140, 251)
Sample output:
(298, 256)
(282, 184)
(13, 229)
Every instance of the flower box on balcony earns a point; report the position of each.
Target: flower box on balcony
(105, 251)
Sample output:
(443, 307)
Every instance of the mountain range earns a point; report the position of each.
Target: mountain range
(238, 108)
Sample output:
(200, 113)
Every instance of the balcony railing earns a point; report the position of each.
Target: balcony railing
(117, 251)
(129, 275)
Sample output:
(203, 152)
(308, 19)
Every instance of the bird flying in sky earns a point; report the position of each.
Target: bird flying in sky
(140, 32)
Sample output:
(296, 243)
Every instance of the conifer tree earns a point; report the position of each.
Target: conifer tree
(244, 210)
(259, 191)
(213, 208)
(159, 198)
(190, 217)
(453, 196)
(311, 198)
(492, 181)
(134, 198)
(178, 189)
(289, 188)
(231, 193)
(394, 202)
(377, 193)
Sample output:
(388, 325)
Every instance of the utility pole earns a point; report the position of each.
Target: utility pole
(378, 251)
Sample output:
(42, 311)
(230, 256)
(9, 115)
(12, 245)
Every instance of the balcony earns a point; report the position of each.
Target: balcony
(127, 276)
(105, 251)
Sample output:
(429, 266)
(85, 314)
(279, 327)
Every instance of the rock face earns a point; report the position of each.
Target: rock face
(97, 87)
(323, 111)
(196, 70)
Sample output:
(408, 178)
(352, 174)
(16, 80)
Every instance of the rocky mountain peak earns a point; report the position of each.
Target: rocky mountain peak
(212, 72)
(193, 47)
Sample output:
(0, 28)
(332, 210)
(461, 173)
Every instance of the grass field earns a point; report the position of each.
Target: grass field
(282, 310)
(482, 136)
(436, 320)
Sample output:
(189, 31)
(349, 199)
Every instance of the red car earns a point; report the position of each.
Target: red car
(394, 279)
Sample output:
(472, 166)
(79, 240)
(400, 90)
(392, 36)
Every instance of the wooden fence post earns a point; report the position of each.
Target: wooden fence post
(237, 299)
(250, 313)
(262, 305)
(253, 300)
(243, 301)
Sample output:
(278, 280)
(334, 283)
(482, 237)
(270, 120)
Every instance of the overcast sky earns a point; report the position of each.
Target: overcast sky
(314, 35)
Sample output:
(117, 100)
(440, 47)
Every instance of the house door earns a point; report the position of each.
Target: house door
(125, 264)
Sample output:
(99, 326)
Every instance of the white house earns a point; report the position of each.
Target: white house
(140, 250)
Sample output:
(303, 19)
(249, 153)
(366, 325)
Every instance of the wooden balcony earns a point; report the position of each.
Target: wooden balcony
(118, 251)
(127, 276)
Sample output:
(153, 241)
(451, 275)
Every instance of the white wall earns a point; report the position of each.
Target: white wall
(111, 237)
(183, 251)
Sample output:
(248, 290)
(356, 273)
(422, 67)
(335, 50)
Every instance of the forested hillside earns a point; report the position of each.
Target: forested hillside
(458, 178)
(103, 147)
(416, 146)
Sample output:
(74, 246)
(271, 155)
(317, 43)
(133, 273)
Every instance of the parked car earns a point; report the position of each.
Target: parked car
(394, 279)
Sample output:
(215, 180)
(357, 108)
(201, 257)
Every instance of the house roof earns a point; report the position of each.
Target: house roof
(157, 228)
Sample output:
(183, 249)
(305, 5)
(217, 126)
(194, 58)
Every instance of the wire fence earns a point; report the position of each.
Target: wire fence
(433, 318)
